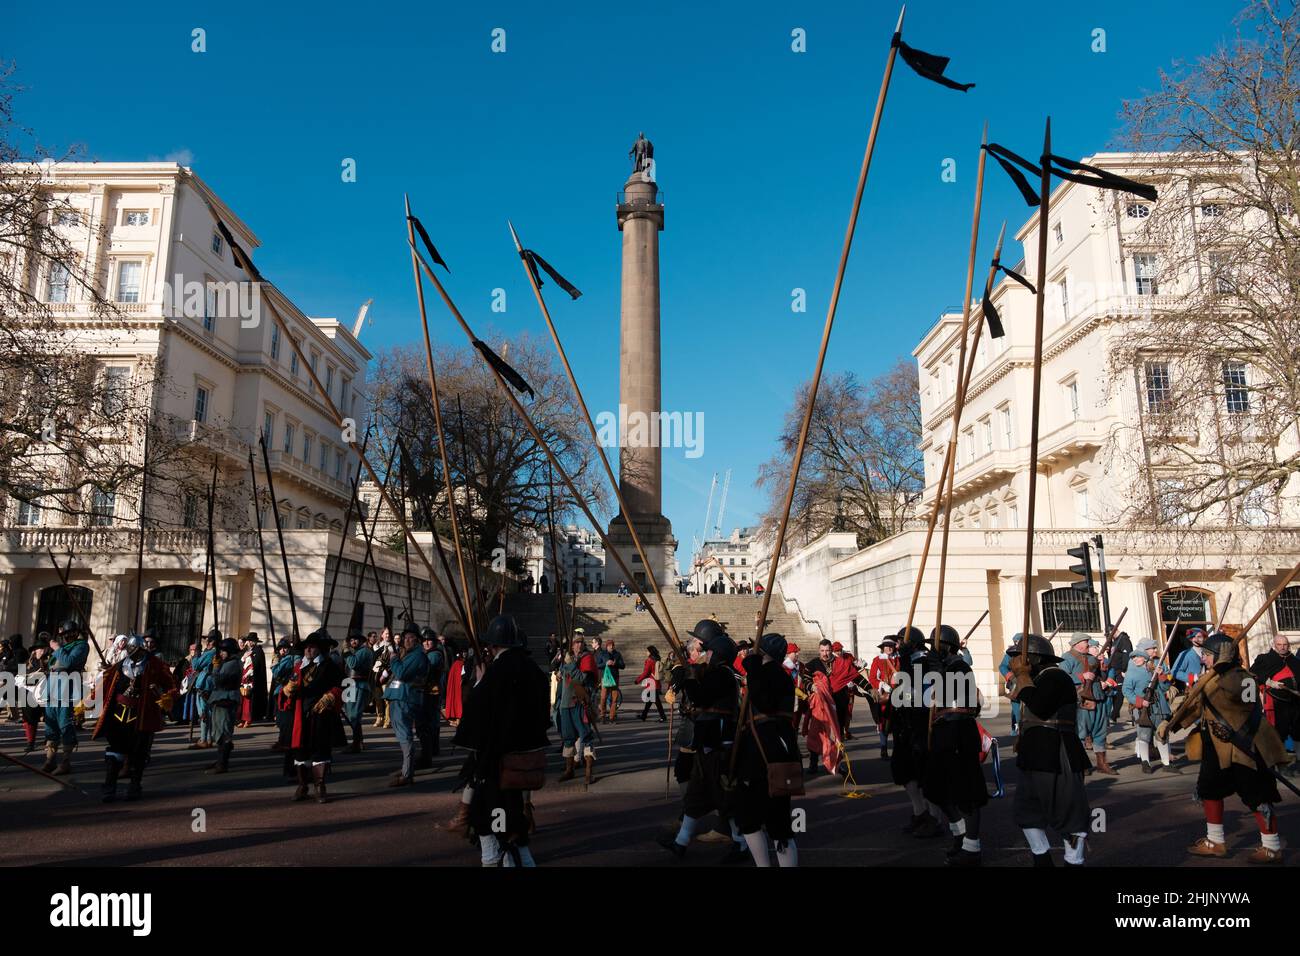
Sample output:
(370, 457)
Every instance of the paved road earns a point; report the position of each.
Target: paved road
(250, 819)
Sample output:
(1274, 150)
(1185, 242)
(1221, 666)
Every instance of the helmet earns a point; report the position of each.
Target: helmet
(706, 630)
(70, 628)
(723, 649)
(911, 635)
(1039, 647)
(948, 637)
(410, 628)
(134, 643)
(426, 634)
(773, 645)
(1223, 647)
(503, 631)
(230, 646)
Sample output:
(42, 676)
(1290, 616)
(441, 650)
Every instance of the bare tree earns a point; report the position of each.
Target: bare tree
(499, 473)
(862, 469)
(1216, 361)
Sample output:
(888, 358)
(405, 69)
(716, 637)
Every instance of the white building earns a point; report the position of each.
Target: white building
(199, 336)
(727, 565)
(1101, 283)
(581, 560)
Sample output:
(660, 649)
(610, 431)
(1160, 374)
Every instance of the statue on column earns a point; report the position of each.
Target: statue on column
(642, 153)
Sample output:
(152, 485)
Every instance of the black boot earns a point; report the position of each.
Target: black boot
(424, 761)
(318, 774)
(356, 740)
(303, 778)
(1043, 859)
(813, 761)
(112, 770)
(223, 758)
(133, 789)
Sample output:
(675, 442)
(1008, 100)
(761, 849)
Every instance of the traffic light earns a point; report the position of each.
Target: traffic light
(1084, 569)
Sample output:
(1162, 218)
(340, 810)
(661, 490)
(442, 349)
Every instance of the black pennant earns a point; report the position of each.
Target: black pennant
(508, 373)
(236, 250)
(428, 243)
(1005, 159)
(928, 65)
(1101, 178)
(996, 331)
(534, 260)
(1013, 274)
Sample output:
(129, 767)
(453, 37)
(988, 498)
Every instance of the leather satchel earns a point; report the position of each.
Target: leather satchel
(784, 779)
(523, 771)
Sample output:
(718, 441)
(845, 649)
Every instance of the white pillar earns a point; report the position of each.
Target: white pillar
(11, 587)
(110, 608)
(1133, 591)
(1011, 587)
(1253, 592)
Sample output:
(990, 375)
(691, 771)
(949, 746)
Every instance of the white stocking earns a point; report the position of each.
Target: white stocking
(787, 854)
(1038, 842)
(758, 848)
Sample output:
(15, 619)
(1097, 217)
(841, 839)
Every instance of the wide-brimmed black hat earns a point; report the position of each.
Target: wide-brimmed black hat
(321, 639)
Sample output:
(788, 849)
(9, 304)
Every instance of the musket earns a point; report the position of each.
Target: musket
(973, 627)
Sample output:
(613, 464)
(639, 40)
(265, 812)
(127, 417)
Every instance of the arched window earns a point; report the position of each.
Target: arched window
(53, 607)
(1070, 609)
(1288, 609)
(175, 613)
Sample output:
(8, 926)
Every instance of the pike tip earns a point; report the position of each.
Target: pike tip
(514, 235)
(899, 28)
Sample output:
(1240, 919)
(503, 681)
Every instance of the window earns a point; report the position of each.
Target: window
(200, 404)
(1005, 415)
(288, 438)
(268, 428)
(101, 508)
(1287, 609)
(129, 275)
(1171, 506)
(329, 379)
(315, 363)
(1081, 504)
(1013, 516)
(114, 393)
(1159, 389)
(1235, 390)
(306, 447)
(993, 518)
(1058, 234)
(68, 217)
(1211, 210)
(324, 455)
(1257, 505)
(1217, 260)
(344, 389)
(968, 445)
(293, 364)
(217, 244)
(275, 343)
(1144, 274)
(1063, 294)
(57, 285)
(338, 465)
(209, 305)
(135, 217)
(1070, 610)
(29, 514)
(986, 435)
(190, 511)
(1137, 210)
(1072, 398)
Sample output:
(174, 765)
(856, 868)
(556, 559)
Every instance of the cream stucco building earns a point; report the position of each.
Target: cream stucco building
(1101, 281)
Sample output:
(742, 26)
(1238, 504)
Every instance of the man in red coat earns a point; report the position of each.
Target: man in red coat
(136, 693)
(843, 670)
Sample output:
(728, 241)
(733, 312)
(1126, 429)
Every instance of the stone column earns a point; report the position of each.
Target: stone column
(1011, 588)
(1134, 591)
(11, 587)
(1253, 591)
(108, 615)
(228, 604)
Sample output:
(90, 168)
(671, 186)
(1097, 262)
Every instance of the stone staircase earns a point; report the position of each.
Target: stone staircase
(609, 615)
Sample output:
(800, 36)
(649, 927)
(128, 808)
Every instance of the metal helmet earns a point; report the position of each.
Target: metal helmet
(773, 645)
(1039, 647)
(428, 634)
(723, 649)
(707, 629)
(911, 635)
(134, 643)
(1223, 647)
(948, 637)
(70, 628)
(503, 631)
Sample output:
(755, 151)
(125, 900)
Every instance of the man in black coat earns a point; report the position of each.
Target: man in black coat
(1278, 673)
(504, 726)
(1121, 651)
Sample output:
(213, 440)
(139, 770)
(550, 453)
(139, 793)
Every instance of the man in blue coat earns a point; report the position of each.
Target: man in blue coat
(1151, 707)
(1187, 665)
(1092, 716)
(405, 696)
(281, 674)
(68, 653)
(357, 663)
(202, 688)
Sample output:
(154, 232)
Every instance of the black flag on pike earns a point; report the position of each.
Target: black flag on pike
(1068, 169)
(237, 251)
(533, 260)
(508, 373)
(428, 243)
(928, 65)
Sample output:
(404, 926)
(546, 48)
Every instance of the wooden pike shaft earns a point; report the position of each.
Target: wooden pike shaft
(261, 551)
(551, 457)
(437, 422)
(212, 541)
(974, 626)
(139, 558)
(950, 453)
(779, 544)
(387, 500)
(561, 621)
(474, 541)
(960, 398)
(369, 536)
(595, 438)
(1044, 214)
(279, 535)
(41, 773)
(454, 599)
(353, 503)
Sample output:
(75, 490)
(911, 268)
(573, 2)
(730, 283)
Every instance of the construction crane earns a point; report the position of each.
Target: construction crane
(708, 510)
(722, 505)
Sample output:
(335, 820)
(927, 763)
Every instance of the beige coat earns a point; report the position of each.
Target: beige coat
(1234, 694)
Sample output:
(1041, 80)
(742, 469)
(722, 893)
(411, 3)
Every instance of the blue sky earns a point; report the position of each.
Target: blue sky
(757, 147)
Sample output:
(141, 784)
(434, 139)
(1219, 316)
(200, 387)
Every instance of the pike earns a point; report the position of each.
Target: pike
(527, 257)
(368, 537)
(64, 577)
(500, 371)
(353, 501)
(437, 414)
(406, 552)
(475, 540)
(561, 621)
(244, 262)
(139, 557)
(453, 599)
(950, 453)
(41, 773)
(960, 398)
(279, 534)
(261, 549)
